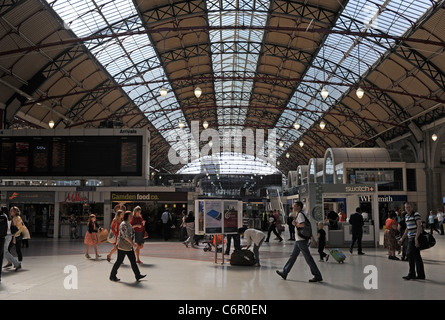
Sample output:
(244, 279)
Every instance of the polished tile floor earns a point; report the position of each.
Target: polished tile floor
(58, 269)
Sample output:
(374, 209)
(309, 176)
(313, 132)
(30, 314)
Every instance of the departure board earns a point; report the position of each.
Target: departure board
(71, 156)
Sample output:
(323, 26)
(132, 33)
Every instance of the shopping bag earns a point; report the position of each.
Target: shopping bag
(102, 236)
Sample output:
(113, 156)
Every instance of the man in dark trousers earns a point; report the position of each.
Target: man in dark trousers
(356, 221)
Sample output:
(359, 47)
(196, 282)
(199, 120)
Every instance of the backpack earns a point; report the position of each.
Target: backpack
(306, 231)
(3, 225)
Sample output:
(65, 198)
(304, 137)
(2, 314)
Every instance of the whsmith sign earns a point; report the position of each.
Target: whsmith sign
(148, 196)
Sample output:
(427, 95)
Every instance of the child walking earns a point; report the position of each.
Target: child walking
(321, 235)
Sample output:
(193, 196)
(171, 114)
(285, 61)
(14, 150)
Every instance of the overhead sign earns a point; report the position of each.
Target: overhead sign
(148, 196)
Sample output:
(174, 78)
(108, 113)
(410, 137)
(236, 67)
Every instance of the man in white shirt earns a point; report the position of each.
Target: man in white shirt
(166, 218)
(301, 245)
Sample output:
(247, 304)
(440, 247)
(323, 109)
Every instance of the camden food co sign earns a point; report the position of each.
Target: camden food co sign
(148, 196)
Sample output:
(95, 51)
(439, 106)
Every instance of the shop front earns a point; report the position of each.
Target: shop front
(74, 208)
(37, 209)
(153, 204)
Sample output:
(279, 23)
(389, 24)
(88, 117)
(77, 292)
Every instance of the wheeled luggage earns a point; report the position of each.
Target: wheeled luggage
(242, 258)
(338, 255)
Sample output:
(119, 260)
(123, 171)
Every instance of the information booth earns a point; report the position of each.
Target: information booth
(316, 197)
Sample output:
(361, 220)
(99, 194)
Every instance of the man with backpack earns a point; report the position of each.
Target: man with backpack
(303, 235)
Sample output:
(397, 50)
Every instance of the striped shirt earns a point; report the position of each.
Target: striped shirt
(411, 223)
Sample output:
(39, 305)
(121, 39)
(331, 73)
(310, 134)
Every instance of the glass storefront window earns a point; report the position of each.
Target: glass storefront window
(329, 169)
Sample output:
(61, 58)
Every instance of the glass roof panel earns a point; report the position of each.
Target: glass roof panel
(119, 55)
(344, 57)
(236, 60)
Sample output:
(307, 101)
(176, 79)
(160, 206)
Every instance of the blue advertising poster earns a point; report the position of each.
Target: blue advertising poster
(213, 217)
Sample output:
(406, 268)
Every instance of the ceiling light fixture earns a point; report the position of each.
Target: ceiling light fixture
(198, 92)
(181, 124)
(322, 125)
(296, 126)
(205, 124)
(324, 93)
(360, 93)
(301, 143)
(163, 92)
(51, 124)
(434, 137)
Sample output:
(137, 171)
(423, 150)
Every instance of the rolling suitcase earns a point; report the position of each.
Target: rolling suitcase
(242, 258)
(338, 255)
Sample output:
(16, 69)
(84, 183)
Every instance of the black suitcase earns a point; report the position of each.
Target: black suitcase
(242, 258)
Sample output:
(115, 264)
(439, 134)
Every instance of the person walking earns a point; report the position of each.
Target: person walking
(321, 237)
(114, 228)
(125, 244)
(272, 227)
(17, 231)
(91, 236)
(190, 226)
(138, 225)
(412, 232)
(301, 245)
(12, 261)
(356, 222)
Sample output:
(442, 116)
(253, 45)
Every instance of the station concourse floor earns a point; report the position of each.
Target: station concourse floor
(175, 272)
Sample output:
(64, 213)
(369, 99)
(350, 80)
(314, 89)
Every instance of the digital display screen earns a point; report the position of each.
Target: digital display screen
(71, 156)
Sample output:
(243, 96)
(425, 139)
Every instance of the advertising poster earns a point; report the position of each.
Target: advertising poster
(199, 218)
(213, 217)
(231, 215)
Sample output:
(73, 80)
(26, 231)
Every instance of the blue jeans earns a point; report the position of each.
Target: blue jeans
(302, 246)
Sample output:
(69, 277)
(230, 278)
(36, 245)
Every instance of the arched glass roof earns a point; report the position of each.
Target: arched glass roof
(229, 163)
(261, 65)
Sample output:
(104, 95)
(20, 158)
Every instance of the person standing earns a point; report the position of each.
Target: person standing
(166, 218)
(125, 244)
(390, 236)
(138, 225)
(290, 220)
(356, 221)
(413, 230)
(117, 220)
(440, 220)
(3, 233)
(301, 245)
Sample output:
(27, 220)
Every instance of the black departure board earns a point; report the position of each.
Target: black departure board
(71, 156)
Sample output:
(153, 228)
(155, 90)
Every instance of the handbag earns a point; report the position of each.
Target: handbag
(306, 231)
(426, 240)
(102, 236)
(111, 238)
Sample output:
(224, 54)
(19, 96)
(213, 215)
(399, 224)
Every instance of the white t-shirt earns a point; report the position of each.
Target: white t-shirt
(299, 220)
